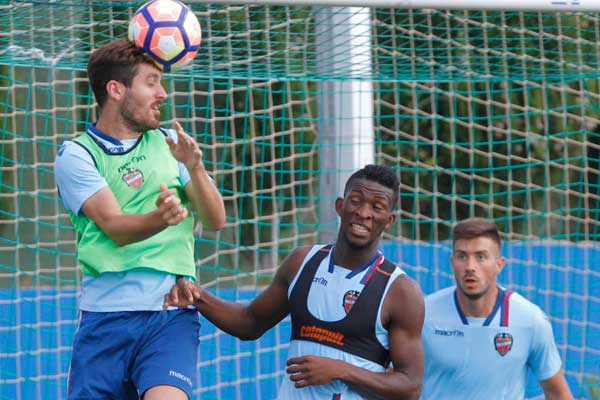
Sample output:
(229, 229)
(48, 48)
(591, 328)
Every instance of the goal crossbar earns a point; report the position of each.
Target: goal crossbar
(508, 5)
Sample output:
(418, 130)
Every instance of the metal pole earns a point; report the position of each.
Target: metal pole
(346, 129)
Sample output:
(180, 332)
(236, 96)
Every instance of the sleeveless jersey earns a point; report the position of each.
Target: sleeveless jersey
(134, 177)
(336, 313)
(485, 358)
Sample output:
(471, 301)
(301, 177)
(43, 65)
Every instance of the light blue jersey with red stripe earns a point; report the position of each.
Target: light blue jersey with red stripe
(485, 358)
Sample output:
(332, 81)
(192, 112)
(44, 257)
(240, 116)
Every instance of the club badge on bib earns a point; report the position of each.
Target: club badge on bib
(503, 342)
(349, 299)
(134, 178)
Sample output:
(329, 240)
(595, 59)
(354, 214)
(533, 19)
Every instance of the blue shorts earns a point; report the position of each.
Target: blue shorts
(120, 355)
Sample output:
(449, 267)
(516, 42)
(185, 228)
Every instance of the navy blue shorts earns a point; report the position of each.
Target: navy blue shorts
(120, 355)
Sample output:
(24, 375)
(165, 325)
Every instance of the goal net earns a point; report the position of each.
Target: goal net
(487, 113)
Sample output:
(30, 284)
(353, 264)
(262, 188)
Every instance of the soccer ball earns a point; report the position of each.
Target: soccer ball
(168, 31)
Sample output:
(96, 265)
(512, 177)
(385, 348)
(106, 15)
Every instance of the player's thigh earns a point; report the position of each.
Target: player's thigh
(102, 348)
(169, 355)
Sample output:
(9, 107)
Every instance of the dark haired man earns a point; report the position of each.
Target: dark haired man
(479, 338)
(127, 185)
(352, 311)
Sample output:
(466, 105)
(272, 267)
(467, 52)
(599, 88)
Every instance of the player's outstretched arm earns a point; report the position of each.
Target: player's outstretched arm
(245, 321)
(104, 210)
(405, 313)
(204, 197)
(556, 388)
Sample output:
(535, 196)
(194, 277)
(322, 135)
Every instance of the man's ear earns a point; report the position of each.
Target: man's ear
(115, 89)
(500, 263)
(339, 202)
(391, 220)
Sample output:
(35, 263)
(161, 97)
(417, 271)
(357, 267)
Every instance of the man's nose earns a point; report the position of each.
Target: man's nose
(471, 263)
(162, 93)
(364, 211)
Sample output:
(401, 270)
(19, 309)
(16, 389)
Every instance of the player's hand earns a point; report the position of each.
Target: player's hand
(186, 149)
(312, 370)
(169, 207)
(182, 294)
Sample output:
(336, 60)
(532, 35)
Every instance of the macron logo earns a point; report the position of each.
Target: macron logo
(444, 332)
(320, 281)
(181, 376)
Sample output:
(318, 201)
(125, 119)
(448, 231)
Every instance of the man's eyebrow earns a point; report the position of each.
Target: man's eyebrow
(474, 252)
(153, 76)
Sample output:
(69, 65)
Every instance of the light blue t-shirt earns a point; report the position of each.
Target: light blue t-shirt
(78, 179)
(485, 358)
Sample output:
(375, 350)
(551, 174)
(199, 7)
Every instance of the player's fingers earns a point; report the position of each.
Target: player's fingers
(171, 206)
(165, 195)
(179, 216)
(167, 301)
(196, 292)
(162, 192)
(178, 127)
(295, 360)
(301, 384)
(294, 369)
(181, 135)
(300, 380)
(187, 292)
(173, 295)
(295, 377)
(190, 143)
(187, 140)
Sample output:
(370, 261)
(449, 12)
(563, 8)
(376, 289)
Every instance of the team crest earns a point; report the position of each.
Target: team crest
(349, 299)
(134, 178)
(503, 343)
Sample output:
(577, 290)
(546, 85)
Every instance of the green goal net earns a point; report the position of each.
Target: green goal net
(487, 113)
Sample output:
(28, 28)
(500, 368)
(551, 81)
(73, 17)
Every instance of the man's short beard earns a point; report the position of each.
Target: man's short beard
(472, 296)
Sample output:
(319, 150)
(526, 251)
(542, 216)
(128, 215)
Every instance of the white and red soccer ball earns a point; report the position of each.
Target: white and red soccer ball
(168, 31)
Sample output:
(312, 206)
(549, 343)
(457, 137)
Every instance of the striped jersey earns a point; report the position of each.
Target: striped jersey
(485, 358)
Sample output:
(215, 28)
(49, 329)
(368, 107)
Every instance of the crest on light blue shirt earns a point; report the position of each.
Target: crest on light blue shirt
(134, 178)
(503, 342)
(349, 299)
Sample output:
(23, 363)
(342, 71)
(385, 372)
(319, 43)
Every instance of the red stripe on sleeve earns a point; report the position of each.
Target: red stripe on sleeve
(505, 307)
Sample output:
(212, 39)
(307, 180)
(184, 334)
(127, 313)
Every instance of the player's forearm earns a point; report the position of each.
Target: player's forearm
(557, 388)
(380, 385)
(565, 395)
(231, 317)
(205, 199)
(126, 229)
